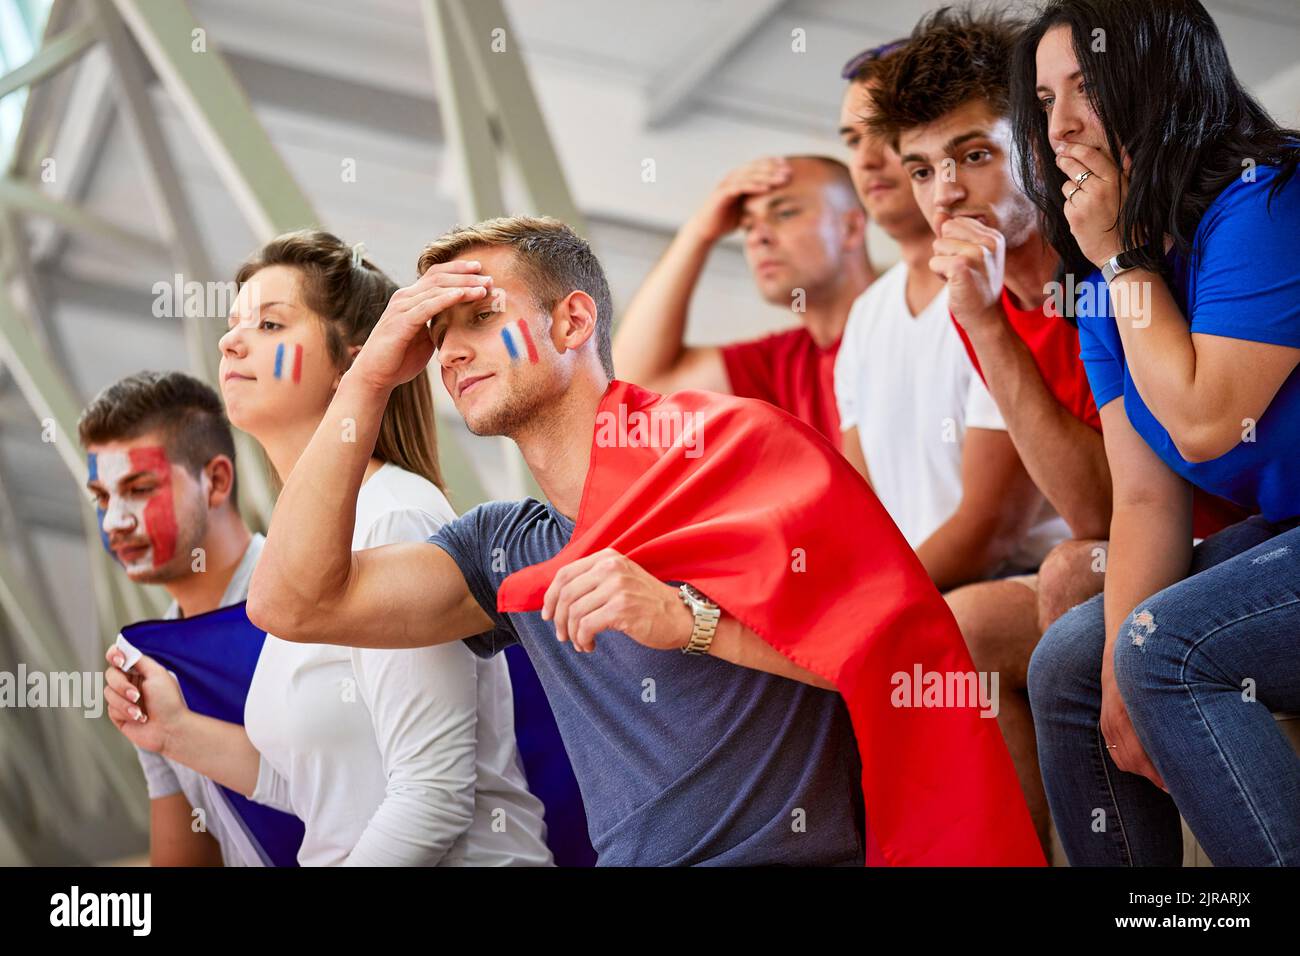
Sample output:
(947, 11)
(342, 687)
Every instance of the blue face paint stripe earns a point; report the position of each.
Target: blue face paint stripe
(279, 359)
(103, 535)
(510, 345)
(92, 474)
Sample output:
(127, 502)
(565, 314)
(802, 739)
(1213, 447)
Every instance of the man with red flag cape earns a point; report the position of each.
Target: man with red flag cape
(739, 647)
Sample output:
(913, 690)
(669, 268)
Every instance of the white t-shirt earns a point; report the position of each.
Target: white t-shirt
(908, 386)
(394, 757)
(164, 776)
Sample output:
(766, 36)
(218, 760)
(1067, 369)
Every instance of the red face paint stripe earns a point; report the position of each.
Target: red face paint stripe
(160, 512)
(297, 364)
(528, 341)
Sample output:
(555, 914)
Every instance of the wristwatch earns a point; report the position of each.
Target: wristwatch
(706, 619)
(1117, 264)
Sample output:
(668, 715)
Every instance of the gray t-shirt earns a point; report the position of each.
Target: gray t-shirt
(681, 760)
(165, 777)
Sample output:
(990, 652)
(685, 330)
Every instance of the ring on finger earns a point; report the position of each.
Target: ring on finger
(1070, 196)
(1082, 176)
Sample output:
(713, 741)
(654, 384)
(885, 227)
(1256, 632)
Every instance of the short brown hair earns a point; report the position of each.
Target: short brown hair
(186, 413)
(954, 55)
(553, 259)
(350, 298)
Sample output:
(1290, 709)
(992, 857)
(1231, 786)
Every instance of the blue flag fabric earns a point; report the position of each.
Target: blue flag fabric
(213, 656)
(546, 765)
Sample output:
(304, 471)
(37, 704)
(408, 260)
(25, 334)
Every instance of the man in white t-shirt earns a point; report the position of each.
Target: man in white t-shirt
(921, 426)
(161, 470)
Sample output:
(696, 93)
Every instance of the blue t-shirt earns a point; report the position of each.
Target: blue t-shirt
(680, 759)
(1244, 283)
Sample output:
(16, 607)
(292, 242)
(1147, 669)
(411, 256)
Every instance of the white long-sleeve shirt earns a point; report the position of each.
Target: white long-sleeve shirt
(394, 757)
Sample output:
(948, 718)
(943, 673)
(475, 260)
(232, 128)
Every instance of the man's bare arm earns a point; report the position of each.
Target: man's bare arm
(648, 349)
(607, 591)
(851, 445)
(1066, 458)
(309, 586)
(997, 507)
(173, 840)
(739, 645)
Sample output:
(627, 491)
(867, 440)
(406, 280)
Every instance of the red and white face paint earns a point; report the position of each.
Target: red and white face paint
(138, 524)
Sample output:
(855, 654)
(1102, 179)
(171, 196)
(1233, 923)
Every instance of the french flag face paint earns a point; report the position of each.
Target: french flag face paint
(519, 341)
(288, 362)
(143, 519)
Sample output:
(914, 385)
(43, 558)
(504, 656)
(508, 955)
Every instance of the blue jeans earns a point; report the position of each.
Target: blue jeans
(1200, 677)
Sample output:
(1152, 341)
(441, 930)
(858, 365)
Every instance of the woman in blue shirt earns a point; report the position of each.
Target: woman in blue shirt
(1157, 697)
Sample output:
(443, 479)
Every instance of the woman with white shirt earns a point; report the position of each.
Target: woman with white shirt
(390, 757)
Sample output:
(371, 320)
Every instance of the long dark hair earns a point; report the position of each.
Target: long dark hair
(1163, 90)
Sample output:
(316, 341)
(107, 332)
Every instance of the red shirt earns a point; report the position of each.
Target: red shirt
(789, 370)
(1054, 343)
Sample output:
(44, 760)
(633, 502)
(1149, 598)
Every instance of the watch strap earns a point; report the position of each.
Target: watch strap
(1115, 265)
(706, 614)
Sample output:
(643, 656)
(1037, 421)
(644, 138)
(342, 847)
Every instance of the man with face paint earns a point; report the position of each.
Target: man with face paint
(804, 239)
(161, 472)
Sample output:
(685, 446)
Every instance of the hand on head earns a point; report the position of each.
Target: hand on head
(721, 212)
(399, 348)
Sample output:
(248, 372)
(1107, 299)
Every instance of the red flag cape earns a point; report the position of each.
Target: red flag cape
(763, 515)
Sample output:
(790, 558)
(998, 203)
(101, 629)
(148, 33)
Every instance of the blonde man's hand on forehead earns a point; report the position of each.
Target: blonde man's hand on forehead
(400, 346)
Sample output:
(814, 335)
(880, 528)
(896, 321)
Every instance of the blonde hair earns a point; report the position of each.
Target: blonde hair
(552, 258)
(349, 294)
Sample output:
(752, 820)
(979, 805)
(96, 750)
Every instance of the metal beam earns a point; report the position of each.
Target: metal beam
(465, 116)
(219, 114)
(21, 270)
(509, 95)
(179, 224)
(36, 109)
(24, 196)
(17, 532)
(477, 87)
(55, 54)
(221, 117)
(671, 89)
(50, 396)
(27, 733)
(79, 139)
(47, 649)
(42, 384)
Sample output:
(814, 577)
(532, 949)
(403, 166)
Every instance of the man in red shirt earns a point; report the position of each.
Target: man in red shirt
(804, 235)
(943, 102)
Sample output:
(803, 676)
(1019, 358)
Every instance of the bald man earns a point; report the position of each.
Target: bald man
(804, 232)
